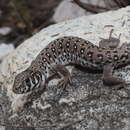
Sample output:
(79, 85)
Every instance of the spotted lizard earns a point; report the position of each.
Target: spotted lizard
(71, 50)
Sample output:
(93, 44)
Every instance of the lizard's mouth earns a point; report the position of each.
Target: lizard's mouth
(16, 90)
(20, 89)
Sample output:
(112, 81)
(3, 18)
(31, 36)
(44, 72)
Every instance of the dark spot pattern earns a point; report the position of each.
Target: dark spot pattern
(100, 56)
(90, 54)
(116, 58)
(44, 59)
(82, 50)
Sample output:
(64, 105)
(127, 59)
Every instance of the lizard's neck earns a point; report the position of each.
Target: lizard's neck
(35, 68)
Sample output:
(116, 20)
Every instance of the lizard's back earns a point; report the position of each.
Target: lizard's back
(75, 50)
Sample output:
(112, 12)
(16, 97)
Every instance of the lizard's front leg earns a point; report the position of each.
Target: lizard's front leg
(64, 74)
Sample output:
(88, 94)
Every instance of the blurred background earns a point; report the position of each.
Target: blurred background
(20, 19)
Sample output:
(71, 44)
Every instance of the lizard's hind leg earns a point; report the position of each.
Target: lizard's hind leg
(110, 80)
(111, 42)
(115, 82)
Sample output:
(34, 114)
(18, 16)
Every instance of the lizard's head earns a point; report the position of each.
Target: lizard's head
(26, 81)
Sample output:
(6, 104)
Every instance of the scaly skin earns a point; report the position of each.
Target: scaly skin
(75, 51)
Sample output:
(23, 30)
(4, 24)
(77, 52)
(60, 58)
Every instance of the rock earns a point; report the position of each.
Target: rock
(5, 50)
(87, 103)
(68, 10)
(5, 30)
(2, 128)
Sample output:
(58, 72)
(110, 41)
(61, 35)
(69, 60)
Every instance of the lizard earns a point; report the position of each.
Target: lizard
(72, 50)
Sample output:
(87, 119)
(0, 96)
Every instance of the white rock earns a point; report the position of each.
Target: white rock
(5, 30)
(5, 49)
(68, 10)
(91, 28)
(2, 128)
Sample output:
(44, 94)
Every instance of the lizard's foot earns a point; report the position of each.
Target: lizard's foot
(115, 82)
(65, 76)
(111, 42)
(110, 80)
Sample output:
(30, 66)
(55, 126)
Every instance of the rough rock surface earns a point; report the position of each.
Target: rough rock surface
(5, 50)
(67, 10)
(85, 105)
